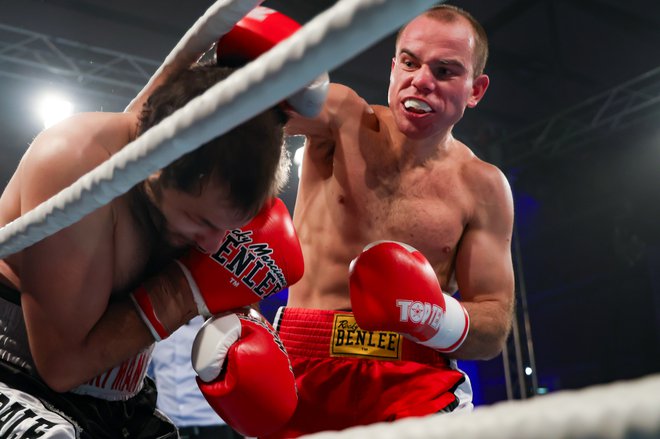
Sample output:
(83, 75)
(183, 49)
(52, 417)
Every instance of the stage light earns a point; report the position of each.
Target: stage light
(53, 108)
(298, 159)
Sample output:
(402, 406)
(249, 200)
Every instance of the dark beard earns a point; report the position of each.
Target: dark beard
(154, 227)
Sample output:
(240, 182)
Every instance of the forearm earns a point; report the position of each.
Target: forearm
(118, 335)
(165, 302)
(66, 361)
(490, 324)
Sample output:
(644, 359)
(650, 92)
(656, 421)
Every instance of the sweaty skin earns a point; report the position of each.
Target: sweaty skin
(396, 173)
(74, 284)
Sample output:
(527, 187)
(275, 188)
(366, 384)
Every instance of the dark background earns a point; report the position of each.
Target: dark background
(572, 117)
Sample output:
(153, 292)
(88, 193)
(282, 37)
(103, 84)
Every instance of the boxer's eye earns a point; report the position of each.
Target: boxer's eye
(209, 224)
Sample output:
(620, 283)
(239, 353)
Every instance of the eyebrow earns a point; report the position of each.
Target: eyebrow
(408, 52)
(205, 221)
(443, 62)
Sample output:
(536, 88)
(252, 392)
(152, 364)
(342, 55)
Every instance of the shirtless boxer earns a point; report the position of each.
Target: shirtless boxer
(375, 173)
(80, 310)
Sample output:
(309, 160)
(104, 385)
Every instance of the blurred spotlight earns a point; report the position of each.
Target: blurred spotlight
(53, 108)
(298, 159)
(528, 371)
(295, 144)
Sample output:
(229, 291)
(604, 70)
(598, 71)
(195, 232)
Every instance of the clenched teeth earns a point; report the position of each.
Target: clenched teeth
(416, 105)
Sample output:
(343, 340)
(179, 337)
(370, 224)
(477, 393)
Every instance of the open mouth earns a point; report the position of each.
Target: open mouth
(416, 106)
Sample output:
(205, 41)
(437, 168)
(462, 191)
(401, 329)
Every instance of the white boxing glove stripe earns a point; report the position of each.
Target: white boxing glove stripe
(202, 309)
(454, 328)
(212, 343)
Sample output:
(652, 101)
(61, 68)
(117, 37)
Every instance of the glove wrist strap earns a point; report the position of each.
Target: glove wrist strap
(145, 309)
(202, 309)
(453, 329)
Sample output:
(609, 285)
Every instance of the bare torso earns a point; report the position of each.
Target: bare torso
(363, 186)
(74, 330)
(76, 324)
(126, 240)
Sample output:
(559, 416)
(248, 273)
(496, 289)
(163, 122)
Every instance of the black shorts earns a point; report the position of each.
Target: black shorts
(29, 408)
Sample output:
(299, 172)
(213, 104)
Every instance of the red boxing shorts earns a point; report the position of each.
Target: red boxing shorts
(347, 376)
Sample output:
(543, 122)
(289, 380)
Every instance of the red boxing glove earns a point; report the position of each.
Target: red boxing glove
(244, 373)
(394, 288)
(252, 263)
(258, 32)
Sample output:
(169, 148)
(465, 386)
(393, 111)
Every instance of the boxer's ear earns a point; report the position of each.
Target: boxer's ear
(479, 87)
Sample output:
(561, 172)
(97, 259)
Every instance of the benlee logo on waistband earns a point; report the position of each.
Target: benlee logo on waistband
(348, 340)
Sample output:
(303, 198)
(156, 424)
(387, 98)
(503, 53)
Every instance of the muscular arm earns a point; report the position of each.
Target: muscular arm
(325, 282)
(319, 126)
(484, 270)
(342, 104)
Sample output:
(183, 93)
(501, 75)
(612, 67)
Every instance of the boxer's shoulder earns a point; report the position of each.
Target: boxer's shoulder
(81, 142)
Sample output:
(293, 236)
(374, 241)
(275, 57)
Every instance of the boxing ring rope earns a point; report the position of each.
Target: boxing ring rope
(326, 41)
(627, 409)
(218, 19)
(620, 410)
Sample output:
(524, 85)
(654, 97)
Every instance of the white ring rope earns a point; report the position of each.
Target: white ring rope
(217, 20)
(621, 410)
(322, 44)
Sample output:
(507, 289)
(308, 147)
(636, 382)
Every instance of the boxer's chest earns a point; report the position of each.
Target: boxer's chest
(134, 249)
(426, 208)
